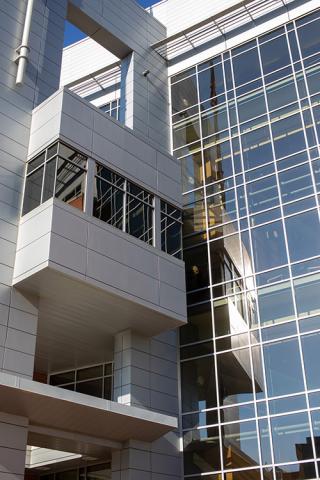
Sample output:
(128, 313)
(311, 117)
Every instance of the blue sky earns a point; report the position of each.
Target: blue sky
(72, 34)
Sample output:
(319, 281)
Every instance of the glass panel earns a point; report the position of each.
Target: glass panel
(70, 183)
(234, 377)
(281, 93)
(107, 393)
(311, 349)
(303, 232)
(291, 438)
(275, 304)
(315, 418)
(313, 79)
(256, 148)
(198, 384)
(200, 419)
(243, 74)
(307, 295)
(36, 162)
(237, 413)
(214, 120)
(288, 136)
(71, 475)
(69, 154)
(139, 219)
(298, 471)
(221, 208)
(264, 434)
(99, 472)
(186, 131)
(192, 173)
(309, 38)
(93, 387)
(226, 262)
(262, 194)
(108, 203)
(32, 193)
(230, 315)
(171, 236)
(269, 246)
(91, 372)
(201, 451)
(240, 445)
(184, 94)
(284, 405)
(199, 325)
(198, 350)
(259, 385)
(295, 183)
(60, 378)
(275, 54)
(49, 180)
(211, 82)
(251, 105)
(218, 162)
(196, 262)
(279, 331)
(283, 368)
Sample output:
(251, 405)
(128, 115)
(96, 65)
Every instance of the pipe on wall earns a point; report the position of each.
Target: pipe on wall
(24, 49)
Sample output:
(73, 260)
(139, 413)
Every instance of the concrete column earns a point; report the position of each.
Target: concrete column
(13, 441)
(145, 375)
(132, 370)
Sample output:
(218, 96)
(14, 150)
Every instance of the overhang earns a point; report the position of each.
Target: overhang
(78, 423)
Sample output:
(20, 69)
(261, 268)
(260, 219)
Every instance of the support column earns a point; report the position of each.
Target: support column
(13, 441)
(145, 375)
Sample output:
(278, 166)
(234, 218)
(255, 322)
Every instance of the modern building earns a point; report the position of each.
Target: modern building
(160, 240)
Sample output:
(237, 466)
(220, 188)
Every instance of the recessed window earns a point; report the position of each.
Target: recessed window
(171, 228)
(60, 172)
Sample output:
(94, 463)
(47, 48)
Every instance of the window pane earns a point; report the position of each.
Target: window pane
(199, 325)
(69, 154)
(196, 261)
(295, 183)
(32, 193)
(275, 304)
(262, 194)
(301, 471)
(309, 38)
(303, 232)
(139, 219)
(311, 349)
(99, 472)
(194, 218)
(251, 105)
(49, 180)
(274, 54)
(70, 184)
(184, 94)
(186, 131)
(107, 394)
(256, 148)
(307, 295)
(93, 387)
(226, 262)
(88, 373)
(201, 451)
(198, 384)
(36, 162)
(283, 368)
(269, 246)
(288, 136)
(221, 208)
(240, 444)
(192, 173)
(218, 162)
(61, 378)
(108, 203)
(234, 377)
(281, 93)
(71, 475)
(211, 82)
(243, 74)
(291, 438)
(170, 236)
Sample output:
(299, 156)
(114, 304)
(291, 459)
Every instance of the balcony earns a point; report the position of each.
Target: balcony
(98, 248)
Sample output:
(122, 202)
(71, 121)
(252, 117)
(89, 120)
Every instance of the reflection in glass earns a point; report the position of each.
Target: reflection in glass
(234, 377)
(288, 136)
(251, 105)
(295, 183)
(186, 131)
(256, 148)
(32, 193)
(268, 246)
(240, 445)
(309, 38)
(298, 471)
(281, 93)
(198, 384)
(201, 451)
(303, 232)
(307, 294)
(291, 438)
(196, 262)
(283, 367)
(218, 162)
(199, 325)
(222, 207)
(265, 442)
(275, 54)
(192, 173)
(262, 194)
(275, 304)
(311, 350)
(243, 74)
(211, 82)
(184, 94)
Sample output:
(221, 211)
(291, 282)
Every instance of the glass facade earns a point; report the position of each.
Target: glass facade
(93, 472)
(246, 128)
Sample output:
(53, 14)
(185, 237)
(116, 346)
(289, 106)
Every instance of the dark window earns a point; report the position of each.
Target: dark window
(171, 230)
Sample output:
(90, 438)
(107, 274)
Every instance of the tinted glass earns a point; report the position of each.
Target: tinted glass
(198, 384)
(291, 438)
(303, 232)
(274, 54)
(311, 349)
(269, 246)
(243, 74)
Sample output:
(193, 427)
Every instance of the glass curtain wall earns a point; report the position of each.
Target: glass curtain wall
(246, 128)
